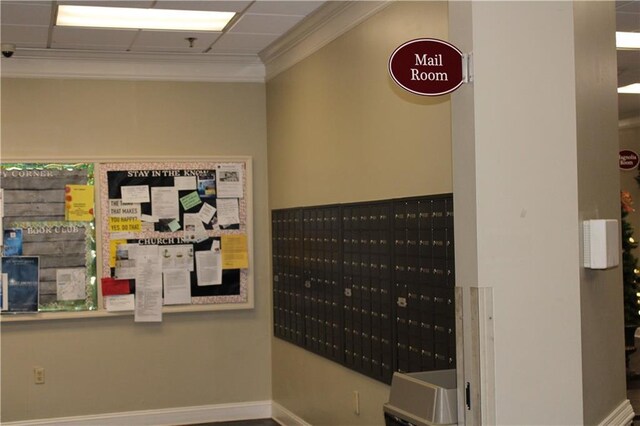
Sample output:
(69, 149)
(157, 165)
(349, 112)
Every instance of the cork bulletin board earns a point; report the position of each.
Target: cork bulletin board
(194, 215)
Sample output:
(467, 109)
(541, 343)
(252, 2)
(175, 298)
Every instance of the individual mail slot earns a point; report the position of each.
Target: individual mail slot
(346, 241)
(412, 243)
(400, 270)
(366, 346)
(385, 267)
(450, 279)
(439, 243)
(438, 273)
(399, 215)
(411, 212)
(356, 264)
(449, 213)
(425, 244)
(450, 244)
(444, 359)
(438, 213)
(414, 317)
(362, 241)
(365, 265)
(346, 218)
(412, 270)
(424, 214)
(443, 328)
(427, 359)
(443, 301)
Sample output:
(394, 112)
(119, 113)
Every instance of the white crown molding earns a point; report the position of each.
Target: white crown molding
(41, 63)
(326, 24)
(628, 123)
(621, 415)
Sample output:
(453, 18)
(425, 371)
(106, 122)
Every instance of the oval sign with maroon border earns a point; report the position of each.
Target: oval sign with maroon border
(628, 160)
(427, 67)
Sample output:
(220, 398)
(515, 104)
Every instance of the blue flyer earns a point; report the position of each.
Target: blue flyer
(23, 275)
(12, 242)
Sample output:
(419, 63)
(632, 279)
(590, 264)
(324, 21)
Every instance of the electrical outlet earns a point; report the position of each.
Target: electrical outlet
(356, 402)
(38, 375)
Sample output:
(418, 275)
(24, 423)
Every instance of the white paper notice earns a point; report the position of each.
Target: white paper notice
(148, 290)
(164, 202)
(125, 261)
(148, 218)
(71, 284)
(194, 230)
(206, 212)
(177, 257)
(228, 212)
(185, 183)
(177, 287)
(208, 268)
(120, 302)
(135, 194)
(229, 180)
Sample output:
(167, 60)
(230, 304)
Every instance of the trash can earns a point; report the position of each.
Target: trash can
(422, 399)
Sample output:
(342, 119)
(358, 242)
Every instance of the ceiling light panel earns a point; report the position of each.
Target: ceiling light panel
(134, 18)
(630, 89)
(626, 40)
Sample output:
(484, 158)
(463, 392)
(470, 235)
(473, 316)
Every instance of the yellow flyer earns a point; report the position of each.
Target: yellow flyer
(78, 202)
(125, 224)
(234, 251)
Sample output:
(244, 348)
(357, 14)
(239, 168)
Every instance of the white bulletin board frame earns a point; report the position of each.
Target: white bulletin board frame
(245, 300)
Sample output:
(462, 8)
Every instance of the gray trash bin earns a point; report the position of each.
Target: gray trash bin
(422, 399)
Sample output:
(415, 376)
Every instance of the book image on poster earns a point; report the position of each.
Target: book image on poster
(22, 274)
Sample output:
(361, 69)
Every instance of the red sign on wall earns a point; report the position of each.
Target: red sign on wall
(427, 67)
(628, 160)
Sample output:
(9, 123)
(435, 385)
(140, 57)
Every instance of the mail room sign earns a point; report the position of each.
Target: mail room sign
(427, 67)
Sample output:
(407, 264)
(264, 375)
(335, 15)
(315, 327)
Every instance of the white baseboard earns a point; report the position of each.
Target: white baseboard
(164, 417)
(285, 417)
(621, 415)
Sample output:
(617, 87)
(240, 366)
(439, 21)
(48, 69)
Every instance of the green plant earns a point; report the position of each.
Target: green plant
(629, 265)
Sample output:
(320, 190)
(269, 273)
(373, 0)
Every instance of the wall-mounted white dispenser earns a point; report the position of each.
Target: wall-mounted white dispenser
(601, 243)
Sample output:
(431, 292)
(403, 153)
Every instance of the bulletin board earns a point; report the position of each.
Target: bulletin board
(185, 223)
(48, 237)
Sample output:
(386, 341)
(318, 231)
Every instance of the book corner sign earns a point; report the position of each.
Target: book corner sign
(628, 159)
(427, 67)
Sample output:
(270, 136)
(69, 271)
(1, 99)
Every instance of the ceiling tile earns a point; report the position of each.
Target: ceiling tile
(25, 13)
(173, 41)
(210, 5)
(243, 43)
(25, 36)
(627, 21)
(264, 24)
(301, 8)
(109, 3)
(628, 6)
(92, 38)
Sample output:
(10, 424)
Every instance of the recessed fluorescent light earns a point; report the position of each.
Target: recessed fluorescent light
(632, 88)
(627, 40)
(147, 19)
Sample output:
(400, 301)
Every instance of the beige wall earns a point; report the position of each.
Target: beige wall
(339, 130)
(105, 365)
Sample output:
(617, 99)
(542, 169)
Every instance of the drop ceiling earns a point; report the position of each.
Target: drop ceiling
(240, 47)
(30, 25)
